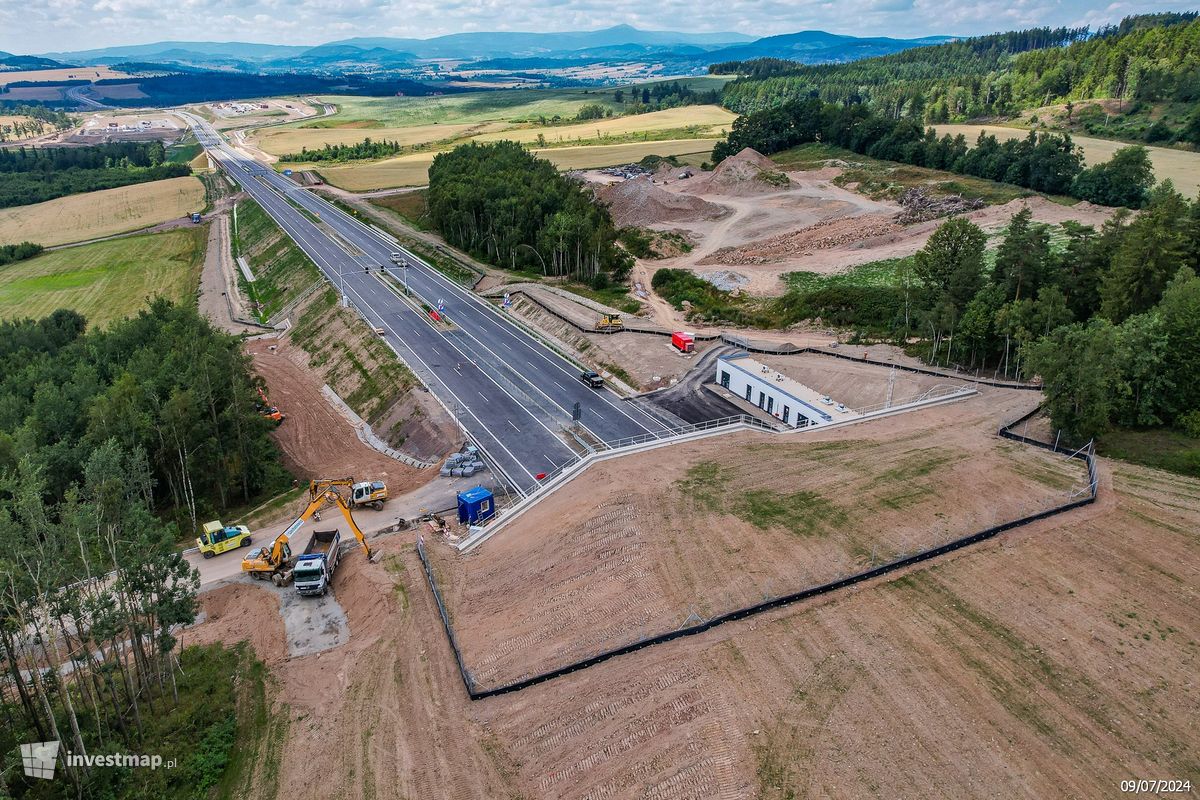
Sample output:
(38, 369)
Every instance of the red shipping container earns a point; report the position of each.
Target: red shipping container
(683, 342)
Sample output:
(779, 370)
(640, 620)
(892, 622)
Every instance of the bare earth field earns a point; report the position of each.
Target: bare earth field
(1054, 661)
(709, 527)
(1181, 166)
(806, 224)
(92, 215)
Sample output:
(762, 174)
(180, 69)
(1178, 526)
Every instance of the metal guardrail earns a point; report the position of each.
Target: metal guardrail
(1087, 454)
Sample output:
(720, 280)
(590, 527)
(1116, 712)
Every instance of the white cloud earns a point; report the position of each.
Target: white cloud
(59, 25)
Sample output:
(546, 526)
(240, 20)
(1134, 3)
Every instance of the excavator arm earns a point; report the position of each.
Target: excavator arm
(319, 493)
(335, 498)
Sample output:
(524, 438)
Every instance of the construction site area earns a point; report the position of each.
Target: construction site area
(915, 592)
(1008, 665)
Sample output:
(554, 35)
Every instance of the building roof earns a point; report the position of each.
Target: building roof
(804, 395)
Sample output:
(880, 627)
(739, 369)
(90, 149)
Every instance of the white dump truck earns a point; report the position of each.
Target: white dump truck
(314, 568)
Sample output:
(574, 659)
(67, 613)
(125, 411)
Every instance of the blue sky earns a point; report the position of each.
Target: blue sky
(58, 25)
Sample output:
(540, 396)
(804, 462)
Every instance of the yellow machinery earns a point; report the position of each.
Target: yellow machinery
(276, 562)
(362, 493)
(609, 322)
(218, 538)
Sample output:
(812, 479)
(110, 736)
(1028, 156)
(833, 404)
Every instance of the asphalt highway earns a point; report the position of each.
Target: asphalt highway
(513, 394)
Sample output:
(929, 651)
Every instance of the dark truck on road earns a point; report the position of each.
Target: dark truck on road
(592, 379)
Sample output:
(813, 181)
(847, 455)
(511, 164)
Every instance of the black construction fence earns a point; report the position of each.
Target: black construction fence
(1085, 497)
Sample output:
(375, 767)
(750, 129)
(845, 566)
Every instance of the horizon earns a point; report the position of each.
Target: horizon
(74, 26)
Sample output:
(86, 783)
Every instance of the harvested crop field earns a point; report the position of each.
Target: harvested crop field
(80, 217)
(1053, 661)
(1181, 166)
(413, 170)
(107, 280)
(285, 141)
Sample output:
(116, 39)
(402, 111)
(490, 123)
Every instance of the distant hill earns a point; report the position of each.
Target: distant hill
(10, 62)
(518, 44)
(689, 51)
(820, 47)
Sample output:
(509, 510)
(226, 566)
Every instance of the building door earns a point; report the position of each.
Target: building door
(725, 379)
(770, 405)
(749, 393)
(762, 398)
(787, 413)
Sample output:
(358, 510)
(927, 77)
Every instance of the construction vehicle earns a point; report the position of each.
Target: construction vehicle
(276, 562)
(369, 493)
(267, 410)
(315, 566)
(610, 322)
(217, 538)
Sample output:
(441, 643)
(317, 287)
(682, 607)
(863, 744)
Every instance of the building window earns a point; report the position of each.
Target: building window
(725, 379)
(787, 413)
(749, 393)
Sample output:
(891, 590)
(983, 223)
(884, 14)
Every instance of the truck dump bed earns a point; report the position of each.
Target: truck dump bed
(320, 542)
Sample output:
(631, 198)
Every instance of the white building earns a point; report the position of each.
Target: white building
(789, 401)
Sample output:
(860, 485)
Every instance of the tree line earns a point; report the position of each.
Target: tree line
(33, 175)
(1045, 162)
(164, 384)
(37, 119)
(1109, 320)
(368, 148)
(1143, 59)
(503, 205)
(111, 442)
(12, 253)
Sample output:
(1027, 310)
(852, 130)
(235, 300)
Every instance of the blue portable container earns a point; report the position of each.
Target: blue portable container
(476, 505)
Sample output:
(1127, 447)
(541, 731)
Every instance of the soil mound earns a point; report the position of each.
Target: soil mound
(747, 173)
(639, 202)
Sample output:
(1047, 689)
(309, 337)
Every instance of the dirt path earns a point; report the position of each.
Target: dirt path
(219, 293)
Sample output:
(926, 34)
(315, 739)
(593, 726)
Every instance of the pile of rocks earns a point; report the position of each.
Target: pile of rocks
(919, 206)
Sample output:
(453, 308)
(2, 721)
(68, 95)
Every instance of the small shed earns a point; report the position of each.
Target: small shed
(476, 505)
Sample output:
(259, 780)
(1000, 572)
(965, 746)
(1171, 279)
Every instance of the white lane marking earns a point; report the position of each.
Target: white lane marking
(297, 233)
(485, 399)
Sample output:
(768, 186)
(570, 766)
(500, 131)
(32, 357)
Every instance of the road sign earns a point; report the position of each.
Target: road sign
(441, 304)
(507, 300)
(287, 173)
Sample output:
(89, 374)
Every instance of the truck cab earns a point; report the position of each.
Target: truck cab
(314, 569)
(369, 493)
(217, 538)
(592, 379)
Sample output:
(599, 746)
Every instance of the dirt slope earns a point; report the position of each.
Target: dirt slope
(640, 202)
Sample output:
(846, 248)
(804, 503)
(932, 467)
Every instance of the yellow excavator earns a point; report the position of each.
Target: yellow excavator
(276, 562)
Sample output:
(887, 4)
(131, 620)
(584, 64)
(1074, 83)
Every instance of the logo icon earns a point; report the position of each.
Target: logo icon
(39, 759)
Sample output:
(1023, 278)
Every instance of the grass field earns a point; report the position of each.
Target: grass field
(706, 120)
(1181, 166)
(281, 269)
(93, 215)
(285, 141)
(889, 179)
(510, 105)
(413, 170)
(106, 281)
